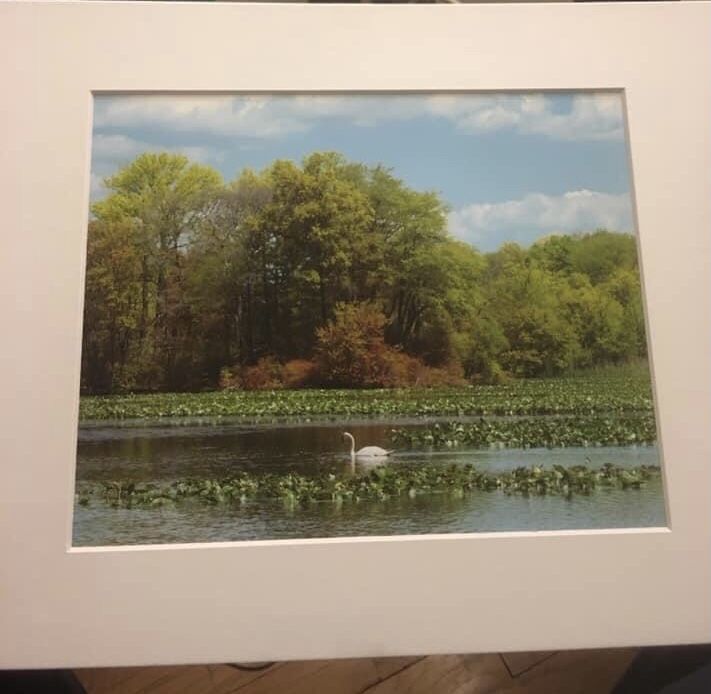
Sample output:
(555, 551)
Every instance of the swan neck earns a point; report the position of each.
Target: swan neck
(352, 440)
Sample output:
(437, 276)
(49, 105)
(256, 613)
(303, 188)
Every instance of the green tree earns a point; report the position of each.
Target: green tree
(600, 254)
(225, 266)
(524, 298)
(338, 261)
(111, 306)
(164, 198)
(554, 253)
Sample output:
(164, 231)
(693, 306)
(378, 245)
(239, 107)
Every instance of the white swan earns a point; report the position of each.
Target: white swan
(367, 451)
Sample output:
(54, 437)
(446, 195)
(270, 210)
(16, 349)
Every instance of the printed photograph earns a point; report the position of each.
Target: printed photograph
(347, 315)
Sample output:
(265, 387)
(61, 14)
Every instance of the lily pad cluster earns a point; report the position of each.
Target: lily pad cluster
(378, 484)
(579, 395)
(550, 432)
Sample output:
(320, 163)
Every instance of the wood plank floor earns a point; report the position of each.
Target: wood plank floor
(571, 672)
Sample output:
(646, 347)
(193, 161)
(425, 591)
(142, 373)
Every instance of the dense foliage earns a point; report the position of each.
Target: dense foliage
(378, 484)
(336, 274)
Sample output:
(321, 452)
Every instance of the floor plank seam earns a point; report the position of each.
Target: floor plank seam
(260, 675)
(518, 674)
(369, 687)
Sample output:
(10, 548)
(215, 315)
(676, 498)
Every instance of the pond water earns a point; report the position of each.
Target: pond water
(163, 451)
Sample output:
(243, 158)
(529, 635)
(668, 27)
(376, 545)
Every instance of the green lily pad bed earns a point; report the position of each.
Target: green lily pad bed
(622, 392)
(380, 483)
(534, 432)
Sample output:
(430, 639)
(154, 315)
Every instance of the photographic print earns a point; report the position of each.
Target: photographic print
(345, 315)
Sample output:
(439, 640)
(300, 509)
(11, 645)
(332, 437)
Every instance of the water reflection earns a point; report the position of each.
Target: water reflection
(160, 452)
(167, 452)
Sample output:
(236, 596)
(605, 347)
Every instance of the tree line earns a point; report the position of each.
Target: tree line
(331, 272)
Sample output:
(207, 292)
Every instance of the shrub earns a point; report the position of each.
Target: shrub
(402, 369)
(298, 373)
(406, 371)
(451, 374)
(490, 373)
(351, 353)
(266, 374)
(230, 378)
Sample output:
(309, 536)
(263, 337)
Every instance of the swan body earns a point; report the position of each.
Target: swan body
(367, 451)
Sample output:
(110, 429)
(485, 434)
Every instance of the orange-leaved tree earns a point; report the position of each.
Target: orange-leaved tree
(351, 350)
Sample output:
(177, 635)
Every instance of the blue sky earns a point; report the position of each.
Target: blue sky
(512, 167)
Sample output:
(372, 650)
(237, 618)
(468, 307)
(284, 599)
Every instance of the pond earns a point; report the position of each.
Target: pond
(164, 451)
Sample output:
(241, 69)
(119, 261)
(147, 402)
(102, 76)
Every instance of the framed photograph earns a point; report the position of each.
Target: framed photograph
(337, 331)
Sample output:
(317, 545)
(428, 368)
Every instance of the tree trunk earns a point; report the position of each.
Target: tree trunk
(322, 297)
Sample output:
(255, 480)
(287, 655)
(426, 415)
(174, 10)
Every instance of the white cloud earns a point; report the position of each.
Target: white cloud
(589, 116)
(104, 146)
(113, 148)
(487, 225)
(223, 115)
(258, 116)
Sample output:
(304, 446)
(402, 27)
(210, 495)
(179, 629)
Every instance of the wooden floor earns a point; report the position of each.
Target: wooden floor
(565, 672)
